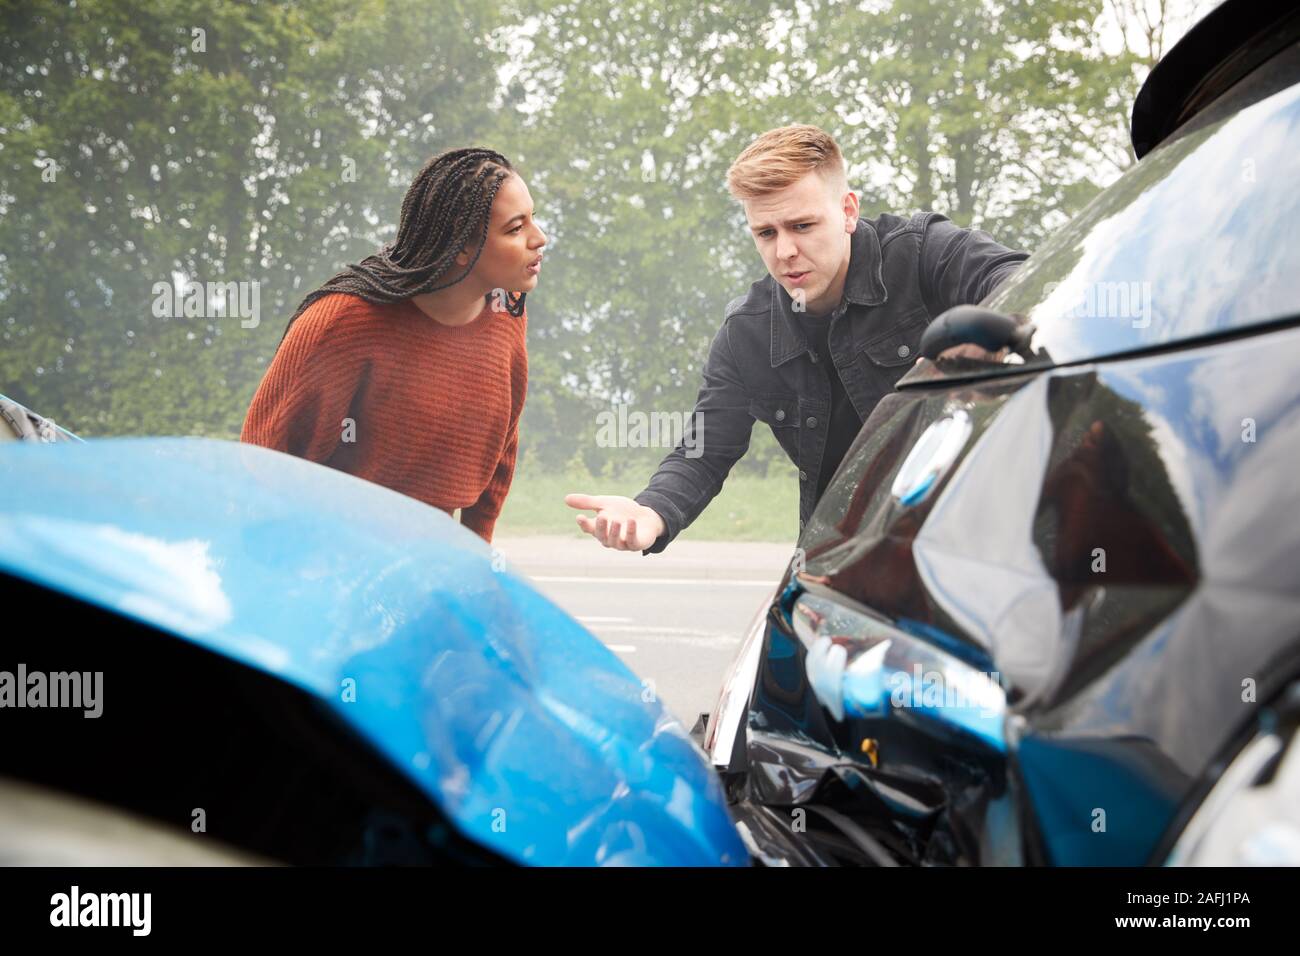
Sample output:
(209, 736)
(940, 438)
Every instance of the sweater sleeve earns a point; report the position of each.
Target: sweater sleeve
(481, 517)
(303, 400)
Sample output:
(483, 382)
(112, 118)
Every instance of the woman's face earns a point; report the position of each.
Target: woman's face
(512, 253)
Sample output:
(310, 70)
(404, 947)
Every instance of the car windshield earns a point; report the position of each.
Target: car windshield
(1201, 237)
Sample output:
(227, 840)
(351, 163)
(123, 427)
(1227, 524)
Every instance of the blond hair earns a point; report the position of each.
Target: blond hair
(782, 157)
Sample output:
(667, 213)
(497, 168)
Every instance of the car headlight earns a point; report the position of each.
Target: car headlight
(1251, 816)
(861, 667)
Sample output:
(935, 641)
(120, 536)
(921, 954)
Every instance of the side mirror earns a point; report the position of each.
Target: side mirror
(974, 324)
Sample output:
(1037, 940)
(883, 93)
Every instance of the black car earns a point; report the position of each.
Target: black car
(1048, 611)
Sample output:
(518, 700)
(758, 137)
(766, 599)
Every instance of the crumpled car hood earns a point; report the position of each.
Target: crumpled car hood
(528, 733)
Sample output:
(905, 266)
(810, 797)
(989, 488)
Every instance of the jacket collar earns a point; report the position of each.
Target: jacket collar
(864, 285)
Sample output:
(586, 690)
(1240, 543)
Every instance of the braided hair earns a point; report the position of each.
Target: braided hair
(449, 202)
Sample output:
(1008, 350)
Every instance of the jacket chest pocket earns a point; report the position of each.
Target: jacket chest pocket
(889, 355)
(781, 412)
(792, 419)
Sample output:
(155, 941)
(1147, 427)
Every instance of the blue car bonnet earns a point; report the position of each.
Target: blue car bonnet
(529, 734)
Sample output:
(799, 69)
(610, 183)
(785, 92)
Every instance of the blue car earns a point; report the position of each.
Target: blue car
(221, 653)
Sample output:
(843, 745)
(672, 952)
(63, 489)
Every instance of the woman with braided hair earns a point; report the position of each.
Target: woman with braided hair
(409, 368)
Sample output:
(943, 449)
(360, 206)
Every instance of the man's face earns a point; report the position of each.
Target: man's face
(512, 252)
(802, 232)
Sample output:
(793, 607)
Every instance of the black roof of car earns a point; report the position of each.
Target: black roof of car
(1225, 46)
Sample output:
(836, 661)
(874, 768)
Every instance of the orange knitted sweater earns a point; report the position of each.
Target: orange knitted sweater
(385, 393)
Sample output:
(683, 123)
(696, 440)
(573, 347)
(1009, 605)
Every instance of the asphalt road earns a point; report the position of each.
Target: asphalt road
(675, 618)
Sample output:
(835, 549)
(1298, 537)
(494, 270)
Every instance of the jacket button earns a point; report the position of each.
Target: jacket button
(803, 475)
(811, 422)
(780, 414)
(904, 351)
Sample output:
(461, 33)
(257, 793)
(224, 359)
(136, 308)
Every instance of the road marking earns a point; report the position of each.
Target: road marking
(660, 636)
(587, 619)
(625, 648)
(709, 582)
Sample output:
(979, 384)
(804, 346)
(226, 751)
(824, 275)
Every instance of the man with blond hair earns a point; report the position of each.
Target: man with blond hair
(815, 344)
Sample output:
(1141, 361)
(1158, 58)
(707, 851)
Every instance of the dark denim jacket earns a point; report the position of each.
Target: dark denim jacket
(902, 273)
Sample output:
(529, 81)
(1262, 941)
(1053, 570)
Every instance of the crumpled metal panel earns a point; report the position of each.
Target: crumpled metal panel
(529, 734)
(1116, 542)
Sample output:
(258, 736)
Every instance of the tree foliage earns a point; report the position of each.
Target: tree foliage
(271, 143)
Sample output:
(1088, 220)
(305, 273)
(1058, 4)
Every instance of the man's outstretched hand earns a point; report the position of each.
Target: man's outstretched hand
(620, 523)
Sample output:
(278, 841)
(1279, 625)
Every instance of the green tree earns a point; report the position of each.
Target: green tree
(271, 143)
(258, 142)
